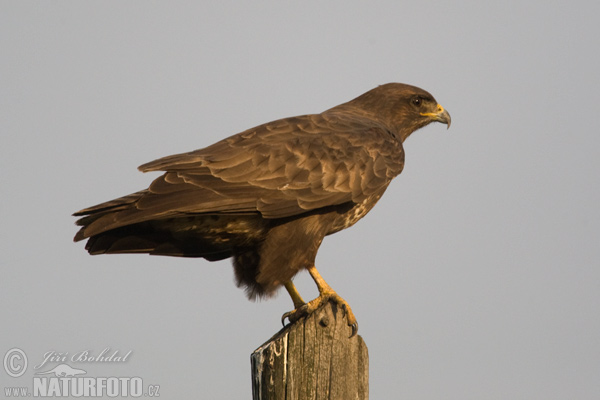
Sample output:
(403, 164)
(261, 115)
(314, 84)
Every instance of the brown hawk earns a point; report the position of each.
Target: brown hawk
(267, 196)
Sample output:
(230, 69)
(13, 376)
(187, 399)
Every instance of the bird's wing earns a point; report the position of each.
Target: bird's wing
(279, 169)
(287, 167)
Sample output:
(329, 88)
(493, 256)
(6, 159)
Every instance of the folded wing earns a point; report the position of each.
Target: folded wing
(279, 169)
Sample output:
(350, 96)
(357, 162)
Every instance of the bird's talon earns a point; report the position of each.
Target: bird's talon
(288, 316)
(295, 314)
(354, 328)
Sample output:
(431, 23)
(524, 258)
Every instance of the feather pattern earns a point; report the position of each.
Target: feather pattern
(280, 169)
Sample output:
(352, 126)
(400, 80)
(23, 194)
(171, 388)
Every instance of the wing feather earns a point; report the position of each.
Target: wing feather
(279, 169)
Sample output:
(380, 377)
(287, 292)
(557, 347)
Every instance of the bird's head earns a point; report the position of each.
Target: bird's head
(402, 108)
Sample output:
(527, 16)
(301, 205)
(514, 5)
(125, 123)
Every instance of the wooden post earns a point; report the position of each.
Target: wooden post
(313, 358)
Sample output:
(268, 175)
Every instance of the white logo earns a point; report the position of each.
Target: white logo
(63, 370)
(15, 362)
(63, 380)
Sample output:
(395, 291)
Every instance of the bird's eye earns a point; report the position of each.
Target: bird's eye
(417, 101)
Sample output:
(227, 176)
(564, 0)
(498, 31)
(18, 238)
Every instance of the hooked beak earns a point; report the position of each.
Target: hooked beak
(440, 115)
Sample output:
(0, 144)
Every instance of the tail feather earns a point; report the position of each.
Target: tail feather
(154, 238)
(112, 205)
(91, 214)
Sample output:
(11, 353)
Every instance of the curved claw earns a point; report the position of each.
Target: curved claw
(284, 316)
(354, 327)
(352, 322)
(295, 314)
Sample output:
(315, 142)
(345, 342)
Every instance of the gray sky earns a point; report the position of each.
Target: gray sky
(475, 277)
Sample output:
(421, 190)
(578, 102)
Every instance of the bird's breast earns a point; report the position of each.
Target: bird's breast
(350, 217)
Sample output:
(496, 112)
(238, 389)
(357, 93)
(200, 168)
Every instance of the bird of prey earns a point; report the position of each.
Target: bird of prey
(267, 197)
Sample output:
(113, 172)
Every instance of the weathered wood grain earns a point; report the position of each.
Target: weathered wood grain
(314, 358)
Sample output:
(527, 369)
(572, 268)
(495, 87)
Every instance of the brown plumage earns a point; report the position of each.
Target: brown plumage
(269, 195)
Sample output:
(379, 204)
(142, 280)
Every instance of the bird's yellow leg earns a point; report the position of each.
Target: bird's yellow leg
(299, 304)
(296, 298)
(326, 293)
